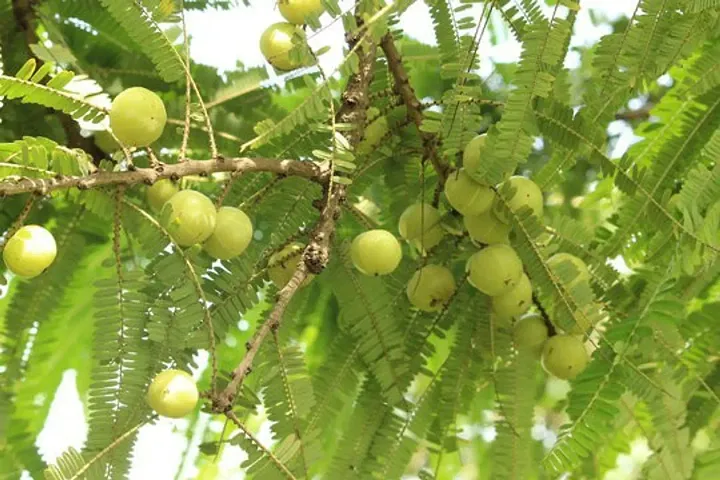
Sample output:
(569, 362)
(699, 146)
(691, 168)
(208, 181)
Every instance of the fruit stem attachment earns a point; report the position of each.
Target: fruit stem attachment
(414, 107)
(309, 170)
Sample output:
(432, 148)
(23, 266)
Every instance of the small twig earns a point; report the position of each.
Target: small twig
(414, 107)
(316, 255)
(304, 169)
(188, 93)
(546, 318)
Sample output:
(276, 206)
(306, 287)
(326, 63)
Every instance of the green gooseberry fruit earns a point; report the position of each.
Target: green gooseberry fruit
(564, 356)
(486, 228)
(282, 265)
(232, 235)
(421, 225)
(173, 394)
(515, 301)
(30, 251)
(278, 45)
(530, 333)
(137, 117)
(189, 217)
(495, 270)
(376, 252)
(297, 11)
(431, 287)
(527, 193)
(473, 153)
(466, 195)
(160, 192)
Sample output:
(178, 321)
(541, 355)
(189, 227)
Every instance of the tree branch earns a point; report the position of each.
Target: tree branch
(149, 176)
(317, 253)
(414, 107)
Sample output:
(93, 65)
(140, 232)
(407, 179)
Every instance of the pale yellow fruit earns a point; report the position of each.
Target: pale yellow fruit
(530, 333)
(279, 44)
(282, 265)
(376, 252)
(421, 225)
(495, 270)
(431, 287)
(189, 217)
(516, 301)
(30, 251)
(527, 193)
(466, 195)
(564, 262)
(486, 228)
(173, 394)
(298, 11)
(564, 356)
(232, 235)
(160, 192)
(473, 153)
(137, 117)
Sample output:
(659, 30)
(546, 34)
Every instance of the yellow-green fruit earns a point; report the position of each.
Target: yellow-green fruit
(282, 265)
(374, 132)
(565, 263)
(30, 251)
(232, 235)
(495, 270)
(486, 228)
(527, 193)
(137, 117)
(473, 152)
(431, 287)
(279, 44)
(530, 333)
(160, 192)
(516, 301)
(189, 217)
(421, 225)
(564, 356)
(106, 142)
(466, 195)
(297, 11)
(173, 394)
(376, 252)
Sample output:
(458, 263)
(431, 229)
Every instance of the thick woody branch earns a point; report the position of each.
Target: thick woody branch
(149, 176)
(414, 106)
(317, 253)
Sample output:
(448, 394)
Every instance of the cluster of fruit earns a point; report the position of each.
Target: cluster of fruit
(496, 269)
(283, 44)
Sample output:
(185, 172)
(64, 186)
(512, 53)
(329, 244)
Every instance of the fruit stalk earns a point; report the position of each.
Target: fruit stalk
(317, 253)
(414, 107)
(309, 170)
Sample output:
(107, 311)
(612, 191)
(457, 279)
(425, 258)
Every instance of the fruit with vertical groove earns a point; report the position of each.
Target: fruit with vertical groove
(173, 394)
(137, 117)
(376, 252)
(280, 44)
(298, 11)
(515, 301)
(564, 356)
(466, 195)
(526, 193)
(232, 235)
(495, 270)
(30, 251)
(421, 225)
(431, 287)
(189, 217)
(160, 192)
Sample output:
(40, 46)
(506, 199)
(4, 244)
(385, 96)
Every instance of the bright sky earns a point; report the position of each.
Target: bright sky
(222, 39)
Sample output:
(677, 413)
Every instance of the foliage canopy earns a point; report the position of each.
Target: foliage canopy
(354, 381)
